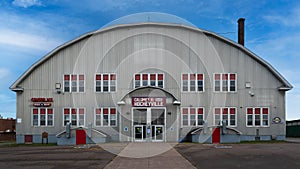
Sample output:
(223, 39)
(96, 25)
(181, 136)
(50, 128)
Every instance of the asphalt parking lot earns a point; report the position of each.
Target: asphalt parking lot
(53, 157)
(245, 156)
(231, 156)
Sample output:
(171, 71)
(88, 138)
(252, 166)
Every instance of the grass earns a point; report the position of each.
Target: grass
(14, 144)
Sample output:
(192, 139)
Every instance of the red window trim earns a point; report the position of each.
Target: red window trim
(160, 76)
(217, 76)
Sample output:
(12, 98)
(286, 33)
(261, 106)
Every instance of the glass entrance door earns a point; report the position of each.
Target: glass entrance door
(148, 124)
(157, 133)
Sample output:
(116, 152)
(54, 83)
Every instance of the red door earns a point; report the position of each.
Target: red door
(28, 139)
(216, 136)
(80, 137)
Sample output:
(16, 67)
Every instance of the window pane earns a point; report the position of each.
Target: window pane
(200, 85)
(184, 85)
(250, 120)
(35, 119)
(42, 119)
(67, 86)
(50, 120)
(161, 83)
(98, 120)
(74, 86)
(192, 85)
(217, 85)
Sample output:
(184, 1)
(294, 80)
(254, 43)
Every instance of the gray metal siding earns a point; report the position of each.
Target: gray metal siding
(169, 50)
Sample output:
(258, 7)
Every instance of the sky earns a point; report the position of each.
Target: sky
(30, 29)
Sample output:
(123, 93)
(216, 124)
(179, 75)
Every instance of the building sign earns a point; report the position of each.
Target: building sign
(42, 99)
(41, 102)
(148, 101)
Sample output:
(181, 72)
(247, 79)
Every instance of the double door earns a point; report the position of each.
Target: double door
(148, 124)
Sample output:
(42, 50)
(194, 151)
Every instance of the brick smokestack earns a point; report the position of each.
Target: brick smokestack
(241, 31)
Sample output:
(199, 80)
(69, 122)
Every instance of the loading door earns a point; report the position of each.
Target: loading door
(80, 137)
(216, 136)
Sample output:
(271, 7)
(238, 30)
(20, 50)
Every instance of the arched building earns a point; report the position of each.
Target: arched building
(150, 80)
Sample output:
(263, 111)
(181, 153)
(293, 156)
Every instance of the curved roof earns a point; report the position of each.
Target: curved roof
(143, 17)
(286, 85)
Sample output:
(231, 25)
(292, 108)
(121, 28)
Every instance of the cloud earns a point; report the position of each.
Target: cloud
(25, 40)
(26, 3)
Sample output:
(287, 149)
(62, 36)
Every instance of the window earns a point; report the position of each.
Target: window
(225, 113)
(149, 79)
(192, 82)
(105, 82)
(192, 116)
(75, 116)
(225, 82)
(106, 117)
(74, 83)
(42, 117)
(257, 117)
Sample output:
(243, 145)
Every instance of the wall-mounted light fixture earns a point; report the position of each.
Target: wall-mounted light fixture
(176, 102)
(248, 84)
(57, 88)
(120, 103)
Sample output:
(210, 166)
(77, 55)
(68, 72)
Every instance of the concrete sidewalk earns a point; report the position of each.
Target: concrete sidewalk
(149, 156)
(293, 139)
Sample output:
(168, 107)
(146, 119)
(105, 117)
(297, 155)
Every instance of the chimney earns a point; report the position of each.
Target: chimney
(241, 31)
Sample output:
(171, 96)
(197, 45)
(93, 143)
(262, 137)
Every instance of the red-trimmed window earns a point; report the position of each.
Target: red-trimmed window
(35, 117)
(74, 83)
(257, 117)
(98, 117)
(75, 116)
(217, 116)
(137, 80)
(149, 79)
(192, 116)
(228, 114)
(200, 115)
(225, 82)
(185, 117)
(192, 82)
(106, 116)
(106, 82)
(42, 117)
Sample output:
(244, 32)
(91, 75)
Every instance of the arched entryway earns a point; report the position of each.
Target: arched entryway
(149, 114)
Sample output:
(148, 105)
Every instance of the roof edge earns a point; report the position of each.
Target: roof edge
(287, 85)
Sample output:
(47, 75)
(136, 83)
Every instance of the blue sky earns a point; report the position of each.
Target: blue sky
(30, 29)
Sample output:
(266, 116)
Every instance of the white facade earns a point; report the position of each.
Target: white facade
(151, 82)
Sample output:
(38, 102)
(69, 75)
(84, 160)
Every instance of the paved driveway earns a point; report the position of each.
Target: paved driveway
(153, 155)
(245, 156)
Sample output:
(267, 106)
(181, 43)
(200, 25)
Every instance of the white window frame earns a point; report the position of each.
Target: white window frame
(39, 117)
(77, 83)
(189, 83)
(261, 117)
(228, 83)
(228, 116)
(189, 116)
(109, 117)
(102, 82)
(149, 80)
(77, 116)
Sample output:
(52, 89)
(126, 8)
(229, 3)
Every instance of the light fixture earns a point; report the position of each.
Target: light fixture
(121, 103)
(176, 102)
(57, 85)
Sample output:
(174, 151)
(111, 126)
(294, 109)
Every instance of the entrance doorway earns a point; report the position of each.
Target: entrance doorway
(148, 124)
